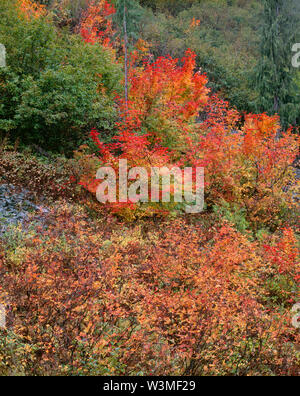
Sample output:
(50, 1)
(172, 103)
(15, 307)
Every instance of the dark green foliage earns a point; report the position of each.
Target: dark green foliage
(275, 76)
(226, 42)
(170, 6)
(134, 15)
(56, 87)
(10, 93)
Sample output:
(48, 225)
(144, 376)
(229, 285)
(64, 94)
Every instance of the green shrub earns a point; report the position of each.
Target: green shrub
(56, 87)
(233, 214)
(16, 356)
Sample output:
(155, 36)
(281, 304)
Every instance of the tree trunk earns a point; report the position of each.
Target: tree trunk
(126, 55)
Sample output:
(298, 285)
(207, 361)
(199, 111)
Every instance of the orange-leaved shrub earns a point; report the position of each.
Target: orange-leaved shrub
(182, 299)
(96, 26)
(283, 253)
(31, 9)
(164, 98)
(246, 164)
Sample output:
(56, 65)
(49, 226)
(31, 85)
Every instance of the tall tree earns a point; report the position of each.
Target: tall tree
(128, 16)
(275, 74)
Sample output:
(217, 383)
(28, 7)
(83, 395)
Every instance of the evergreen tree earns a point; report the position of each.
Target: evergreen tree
(275, 75)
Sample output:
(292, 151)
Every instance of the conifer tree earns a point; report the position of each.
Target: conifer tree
(275, 74)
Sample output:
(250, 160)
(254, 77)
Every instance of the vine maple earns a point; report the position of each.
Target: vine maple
(96, 25)
(165, 95)
(31, 9)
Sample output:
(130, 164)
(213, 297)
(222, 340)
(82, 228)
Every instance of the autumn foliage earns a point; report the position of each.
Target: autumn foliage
(247, 165)
(96, 25)
(245, 162)
(163, 93)
(141, 288)
(284, 254)
(31, 9)
(165, 96)
(183, 300)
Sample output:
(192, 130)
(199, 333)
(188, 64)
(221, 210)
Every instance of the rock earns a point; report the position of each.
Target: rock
(16, 208)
